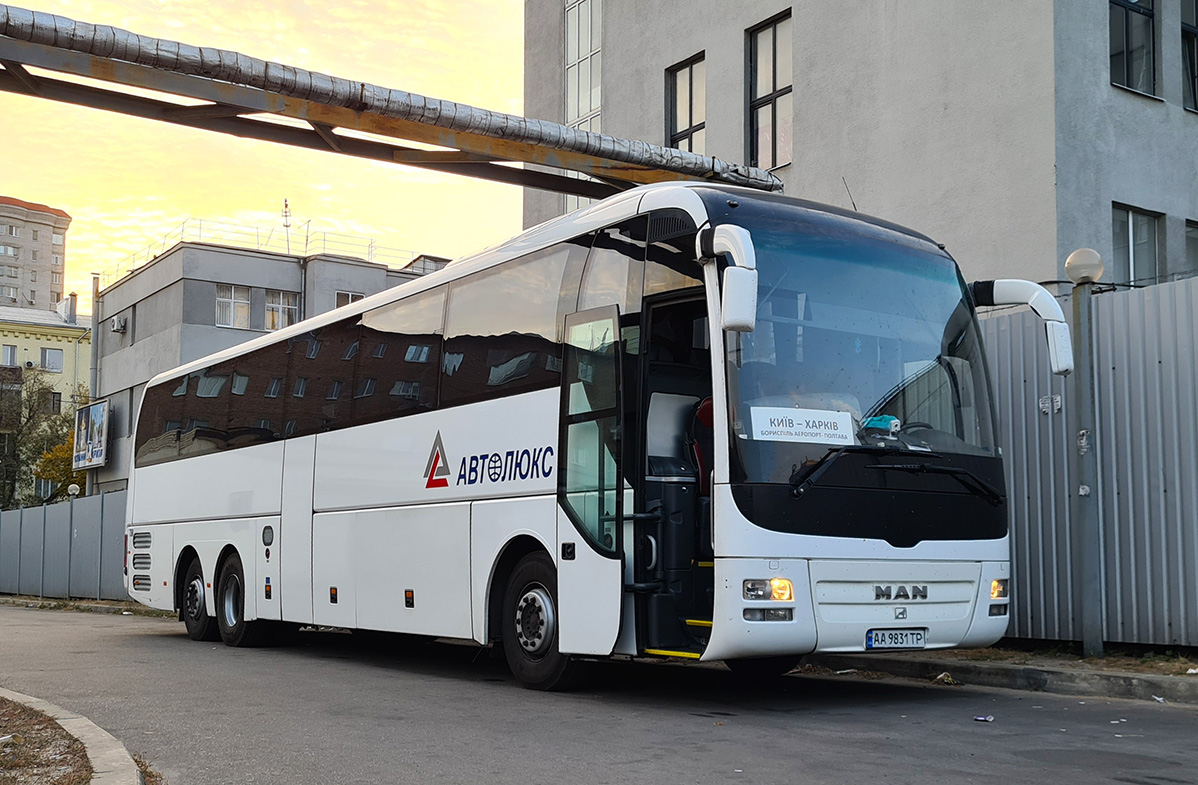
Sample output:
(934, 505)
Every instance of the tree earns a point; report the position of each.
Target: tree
(33, 418)
(55, 465)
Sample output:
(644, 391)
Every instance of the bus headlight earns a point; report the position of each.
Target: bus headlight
(779, 589)
(998, 589)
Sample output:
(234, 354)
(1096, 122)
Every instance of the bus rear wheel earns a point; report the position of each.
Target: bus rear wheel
(200, 626)
(230, 607)
(530, 626)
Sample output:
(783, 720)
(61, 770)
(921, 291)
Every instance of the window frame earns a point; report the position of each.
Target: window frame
(1155, 218)
(1189, 54)
(283, 313)
(675, 131)
(233, 301)
(771, 98)
(351, 298)
(47, 352)
(1129, 8)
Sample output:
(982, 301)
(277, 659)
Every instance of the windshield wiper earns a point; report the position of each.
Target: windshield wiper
(803, 477)
(974, 483)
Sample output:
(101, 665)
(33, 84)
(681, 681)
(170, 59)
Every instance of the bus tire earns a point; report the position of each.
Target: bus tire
(230, 607)
(530, 626)
(200, 626)
(760, 670)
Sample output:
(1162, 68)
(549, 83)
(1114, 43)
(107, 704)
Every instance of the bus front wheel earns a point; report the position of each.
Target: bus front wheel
(530, 626)
(200, 626)
(230, 606)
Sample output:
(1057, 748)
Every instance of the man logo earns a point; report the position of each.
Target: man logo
(437, 471)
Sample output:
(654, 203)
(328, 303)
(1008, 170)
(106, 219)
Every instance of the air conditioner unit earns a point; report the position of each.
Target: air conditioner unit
(30, 364)
(118, 324)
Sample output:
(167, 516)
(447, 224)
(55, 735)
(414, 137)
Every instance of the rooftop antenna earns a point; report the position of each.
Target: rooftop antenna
(850, 193)
(287, 224)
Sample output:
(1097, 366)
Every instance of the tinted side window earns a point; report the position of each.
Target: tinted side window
(615, 267)
(399, 357)
(671, 264)
(502, 332)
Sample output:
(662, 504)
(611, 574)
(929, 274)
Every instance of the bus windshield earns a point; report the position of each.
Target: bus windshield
(860, 343)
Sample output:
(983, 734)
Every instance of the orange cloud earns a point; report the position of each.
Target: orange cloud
(127, 182)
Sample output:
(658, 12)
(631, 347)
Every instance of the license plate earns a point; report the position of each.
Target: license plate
(895, 639)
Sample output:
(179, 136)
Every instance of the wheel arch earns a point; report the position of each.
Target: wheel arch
(181, 564)
(515, 550)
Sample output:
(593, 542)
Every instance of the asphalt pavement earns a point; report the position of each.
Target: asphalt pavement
(334, 710)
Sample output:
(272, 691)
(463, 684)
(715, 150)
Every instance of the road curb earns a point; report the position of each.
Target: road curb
(1136, 686)
(75, 605)
(111, 762)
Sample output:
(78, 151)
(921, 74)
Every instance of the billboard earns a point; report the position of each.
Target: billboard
(91, 436)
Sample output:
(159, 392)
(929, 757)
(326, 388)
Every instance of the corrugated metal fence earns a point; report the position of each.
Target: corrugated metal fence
(73, 549)
(1146, 374)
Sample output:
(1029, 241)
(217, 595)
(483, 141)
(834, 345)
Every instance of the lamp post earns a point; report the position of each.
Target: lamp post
(1084, 267)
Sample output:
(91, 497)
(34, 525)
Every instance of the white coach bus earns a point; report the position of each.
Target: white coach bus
(688, 421)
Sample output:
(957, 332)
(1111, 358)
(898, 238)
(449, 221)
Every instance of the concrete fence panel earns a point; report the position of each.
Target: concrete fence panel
(10, 551)
(111, 516)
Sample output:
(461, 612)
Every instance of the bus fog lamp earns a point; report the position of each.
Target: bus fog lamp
(779, 589)
(998, 610)
(769, 614)
(998, 589)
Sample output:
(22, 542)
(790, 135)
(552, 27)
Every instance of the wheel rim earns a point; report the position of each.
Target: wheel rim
(535, 620)
(232, 604)
(194, 601)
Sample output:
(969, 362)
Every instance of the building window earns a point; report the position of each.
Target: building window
(10, 250)
(282, 309)
(33, 296)
(417, 353)
(33, 255)
(334, 390)
(55, 297)
(1134, 239)
(56, 260)
(12, 231)
(345, 298)
(8, 292)
(8, 356)
(33, 276)
(1132, 45)
(1189, 51)
(55, 277)
(54, 403)
(274, 388)
(584, 73)
(52, 360)
(1191, 247)
(687, 109)
(44, 488)
(57, 239)
(233, 306)
(771, 107)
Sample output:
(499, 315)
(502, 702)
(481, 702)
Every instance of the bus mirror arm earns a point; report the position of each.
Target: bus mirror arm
(1010, 291)
(738, 302)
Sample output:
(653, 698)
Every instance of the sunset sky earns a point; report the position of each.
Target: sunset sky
(127, 182)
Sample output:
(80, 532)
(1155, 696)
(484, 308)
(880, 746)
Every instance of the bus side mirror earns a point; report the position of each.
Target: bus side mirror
(738, 305)
(1015, 292)
(738, 301)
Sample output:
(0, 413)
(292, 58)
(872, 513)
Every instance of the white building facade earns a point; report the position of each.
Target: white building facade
(1012, 132)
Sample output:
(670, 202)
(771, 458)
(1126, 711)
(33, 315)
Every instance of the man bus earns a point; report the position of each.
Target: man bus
(689, 421)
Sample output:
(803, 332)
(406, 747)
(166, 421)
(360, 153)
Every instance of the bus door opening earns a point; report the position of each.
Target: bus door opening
(675, 555)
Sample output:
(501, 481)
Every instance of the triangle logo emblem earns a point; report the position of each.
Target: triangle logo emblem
(437, 471)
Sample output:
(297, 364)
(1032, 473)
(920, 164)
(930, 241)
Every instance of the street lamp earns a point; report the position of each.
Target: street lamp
(1084, 267)
(73, 490)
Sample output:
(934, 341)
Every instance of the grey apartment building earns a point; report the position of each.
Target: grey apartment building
(199, 298)
(1013, 132)
(33, 241)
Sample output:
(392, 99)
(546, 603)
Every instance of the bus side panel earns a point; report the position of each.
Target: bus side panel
(590, 594)
(494, 524)
(210, 538)
(293, 541)
(226, 484)
(425, 550)
(333, 571)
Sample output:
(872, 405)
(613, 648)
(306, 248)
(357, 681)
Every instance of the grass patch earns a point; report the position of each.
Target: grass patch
(150, 776)
(40, 751)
